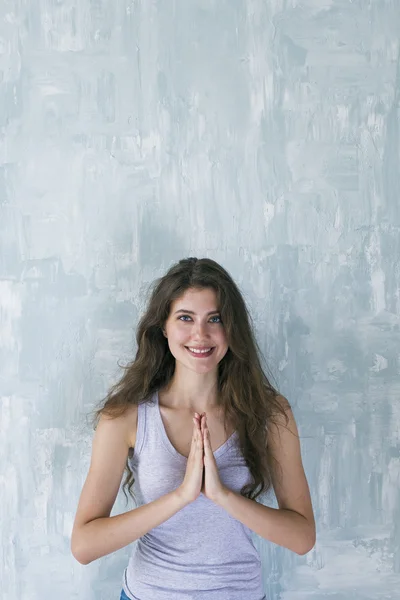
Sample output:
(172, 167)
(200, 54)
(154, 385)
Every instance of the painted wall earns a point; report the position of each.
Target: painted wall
(262, 134)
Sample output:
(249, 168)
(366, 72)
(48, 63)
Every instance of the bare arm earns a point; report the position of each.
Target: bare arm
(108, 534)
(95, 533)
(291, 486)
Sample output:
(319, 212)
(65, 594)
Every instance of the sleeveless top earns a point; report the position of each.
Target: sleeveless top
(201, 552)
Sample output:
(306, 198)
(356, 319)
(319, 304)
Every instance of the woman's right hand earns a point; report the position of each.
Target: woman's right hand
(192, 483)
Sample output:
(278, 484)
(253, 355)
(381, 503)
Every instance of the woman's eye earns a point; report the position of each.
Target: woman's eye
(217, 317)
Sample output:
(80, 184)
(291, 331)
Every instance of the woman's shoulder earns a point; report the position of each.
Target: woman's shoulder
(125, 424)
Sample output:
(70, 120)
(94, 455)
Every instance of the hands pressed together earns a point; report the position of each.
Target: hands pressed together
(201, 470)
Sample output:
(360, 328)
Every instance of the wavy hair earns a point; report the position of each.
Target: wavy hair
(247, 399)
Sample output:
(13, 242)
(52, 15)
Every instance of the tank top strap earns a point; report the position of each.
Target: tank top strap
(146, 422)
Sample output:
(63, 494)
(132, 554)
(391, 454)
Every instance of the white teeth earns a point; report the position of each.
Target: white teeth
(200, 351)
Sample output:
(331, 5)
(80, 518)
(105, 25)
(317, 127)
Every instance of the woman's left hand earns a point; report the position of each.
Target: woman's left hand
(212, 487)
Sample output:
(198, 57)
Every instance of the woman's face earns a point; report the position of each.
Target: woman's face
(190, 326)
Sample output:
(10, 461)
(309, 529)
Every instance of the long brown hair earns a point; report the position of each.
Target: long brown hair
(248, 400)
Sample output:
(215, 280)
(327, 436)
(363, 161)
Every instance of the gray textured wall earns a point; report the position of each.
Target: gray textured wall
(262, 134)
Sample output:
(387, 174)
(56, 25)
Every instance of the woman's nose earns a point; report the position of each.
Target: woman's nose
(201, 329)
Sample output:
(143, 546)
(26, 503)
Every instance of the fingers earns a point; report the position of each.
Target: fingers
(200, 419)
(197, 439)
(201, 425)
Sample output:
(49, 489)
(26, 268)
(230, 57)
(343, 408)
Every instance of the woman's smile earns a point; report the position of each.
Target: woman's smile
(200, 354)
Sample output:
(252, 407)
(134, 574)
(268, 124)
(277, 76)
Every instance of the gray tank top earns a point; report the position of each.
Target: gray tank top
(201, 552)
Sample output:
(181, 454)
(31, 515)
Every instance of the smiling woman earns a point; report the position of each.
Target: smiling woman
(202, 433)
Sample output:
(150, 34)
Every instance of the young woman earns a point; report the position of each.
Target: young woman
(202, 433)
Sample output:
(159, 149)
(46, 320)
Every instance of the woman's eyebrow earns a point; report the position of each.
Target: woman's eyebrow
(190, 312)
